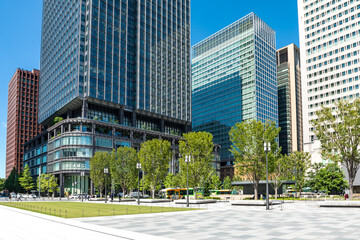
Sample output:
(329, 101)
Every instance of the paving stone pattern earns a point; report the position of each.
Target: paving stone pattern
(297, 220)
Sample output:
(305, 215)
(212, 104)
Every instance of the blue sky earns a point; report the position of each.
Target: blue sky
(20, 28)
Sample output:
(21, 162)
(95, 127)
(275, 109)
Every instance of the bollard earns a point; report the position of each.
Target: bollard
(83, 212)
(41, 209)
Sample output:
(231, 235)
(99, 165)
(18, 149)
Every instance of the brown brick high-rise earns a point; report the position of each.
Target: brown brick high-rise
(22, 122)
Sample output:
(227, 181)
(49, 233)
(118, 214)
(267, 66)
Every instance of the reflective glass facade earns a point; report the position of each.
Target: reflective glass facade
(135, 54)
(62, 55)
(234, 79)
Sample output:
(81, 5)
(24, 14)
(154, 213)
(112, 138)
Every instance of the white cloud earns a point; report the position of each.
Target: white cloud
(4, 124)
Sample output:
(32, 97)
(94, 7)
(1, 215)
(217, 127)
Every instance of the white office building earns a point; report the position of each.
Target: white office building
(329, 45)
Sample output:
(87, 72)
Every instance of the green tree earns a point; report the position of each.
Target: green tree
(155, 156)
(199, 146)
(227, 183)
(49, 185)
(280, 170)
(215, 182)
(330, 178)
(123, 167)
(26, 181)
(338, 130)
(248, 139)
(300, 162)
(172, 181)
(311, 174)
(2, 184)
(12, 182)
(98, 162)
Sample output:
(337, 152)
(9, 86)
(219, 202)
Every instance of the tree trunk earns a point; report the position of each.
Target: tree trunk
(351, 185)
(123, 193)
(100, 191)
(276, 191)
(152, 192)
(256, 184)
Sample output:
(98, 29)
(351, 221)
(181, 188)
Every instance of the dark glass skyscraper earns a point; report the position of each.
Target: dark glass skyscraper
(134, 54)
(118, 72)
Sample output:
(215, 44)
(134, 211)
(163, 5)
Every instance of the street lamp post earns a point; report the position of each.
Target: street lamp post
(138, 166)
(106, 171)
(267, 149)
(81, 188)
(187, 160)
(39, 183)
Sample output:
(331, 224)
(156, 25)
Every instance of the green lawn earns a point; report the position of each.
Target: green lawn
(77, 210)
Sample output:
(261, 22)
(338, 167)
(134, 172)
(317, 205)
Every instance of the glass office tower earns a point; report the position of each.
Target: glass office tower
(234, 79)
(117, 72)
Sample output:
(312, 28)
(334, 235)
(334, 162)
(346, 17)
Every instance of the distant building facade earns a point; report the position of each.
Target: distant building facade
(289, 99)
(329, 45)
(35, 154)
(120, 75)
(234, 79)
(22, 116)
(329, 33)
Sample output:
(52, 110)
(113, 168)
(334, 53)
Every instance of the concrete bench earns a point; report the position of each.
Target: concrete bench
(195, 201)
(355, 204)
(254, 203)
(142, 200)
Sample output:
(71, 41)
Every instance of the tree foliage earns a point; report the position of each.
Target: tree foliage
(155, 156)
(215, 182)
(12, 182)
(338, 130)
(47, 185)
(313, 171)
(123, 167)
(173, 180)
(26, 181)
(2, 184)
(227, 183)
(98, 162)
(300, 162)
(328, 178)
(248, 139)
(281, 169)
(199, 146)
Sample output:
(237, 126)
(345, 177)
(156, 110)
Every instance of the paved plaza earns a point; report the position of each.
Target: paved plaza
(299, 220)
